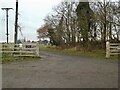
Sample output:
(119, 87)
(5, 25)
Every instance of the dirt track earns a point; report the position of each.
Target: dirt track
(60, 71)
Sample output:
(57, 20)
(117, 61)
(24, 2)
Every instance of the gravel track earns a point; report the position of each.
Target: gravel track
(61, 71)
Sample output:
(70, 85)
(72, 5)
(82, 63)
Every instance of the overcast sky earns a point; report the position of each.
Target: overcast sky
(31, 15)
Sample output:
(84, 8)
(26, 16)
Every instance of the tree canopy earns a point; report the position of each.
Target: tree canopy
(86, 25)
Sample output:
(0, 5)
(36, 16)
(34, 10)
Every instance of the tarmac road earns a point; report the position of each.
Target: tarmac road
(61, 71)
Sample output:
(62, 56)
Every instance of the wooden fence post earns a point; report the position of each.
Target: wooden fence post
(37, 50)
(107, 49)
(20, 47)
(118, 50)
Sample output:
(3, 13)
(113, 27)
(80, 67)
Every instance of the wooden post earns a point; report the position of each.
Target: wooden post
(118, 52)
(37, 49)
(1, 52)
(107, 49)
(20, 46)
(16, 23)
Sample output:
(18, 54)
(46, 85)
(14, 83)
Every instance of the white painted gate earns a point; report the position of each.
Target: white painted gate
(23, 49)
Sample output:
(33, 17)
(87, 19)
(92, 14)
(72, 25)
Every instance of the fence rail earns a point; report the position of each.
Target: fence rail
(24, 49)
(112, 49)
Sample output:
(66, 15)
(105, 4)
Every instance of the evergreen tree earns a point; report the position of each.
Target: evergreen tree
(84, 14)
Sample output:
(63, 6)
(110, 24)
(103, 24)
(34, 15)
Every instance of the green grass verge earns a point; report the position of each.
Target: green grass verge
(73, 52)
(7, 58)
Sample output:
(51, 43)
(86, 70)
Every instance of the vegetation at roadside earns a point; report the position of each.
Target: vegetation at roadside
(8, 58)
(87, 25)
(82, 28)
(74, 52)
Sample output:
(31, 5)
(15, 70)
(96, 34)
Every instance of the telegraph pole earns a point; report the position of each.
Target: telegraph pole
(7, 9)
(16, 23)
